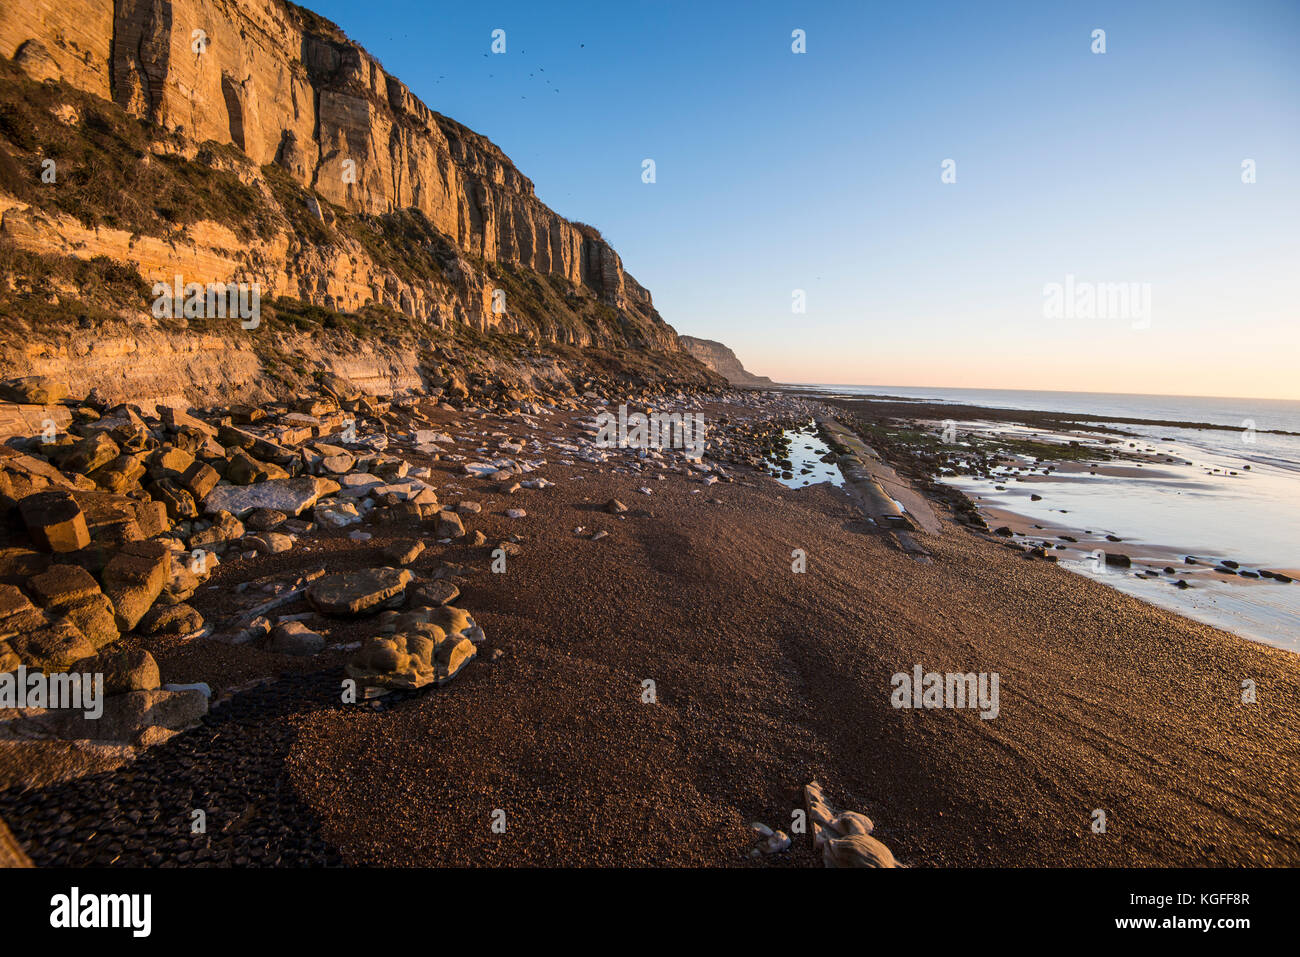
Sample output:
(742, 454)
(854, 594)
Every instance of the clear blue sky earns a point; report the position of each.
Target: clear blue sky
(821, 171)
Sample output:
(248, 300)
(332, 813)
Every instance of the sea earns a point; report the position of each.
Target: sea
(1239, 499)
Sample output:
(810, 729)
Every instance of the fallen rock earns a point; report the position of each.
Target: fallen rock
(123, 671)
(128, 716)
(843, 836)
(55, 521)
(265, 519)
(179, 619)
(404, 551)
(449, 525)
(270, 543)
(435, 593)
(357, 592)
(134, 578)
(295, 638)
(290, 496)
(410, 660)
(52, 647)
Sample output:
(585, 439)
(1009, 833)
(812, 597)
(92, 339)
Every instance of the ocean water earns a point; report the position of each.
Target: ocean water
(1214, 508)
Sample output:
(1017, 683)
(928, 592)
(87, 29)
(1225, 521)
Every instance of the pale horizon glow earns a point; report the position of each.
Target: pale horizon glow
(821, 171)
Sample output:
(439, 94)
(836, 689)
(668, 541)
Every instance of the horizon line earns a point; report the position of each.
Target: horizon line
(1160, 395)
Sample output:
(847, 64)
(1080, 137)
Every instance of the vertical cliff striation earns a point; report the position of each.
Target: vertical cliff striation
(284, 86)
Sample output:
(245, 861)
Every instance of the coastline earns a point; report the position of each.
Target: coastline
(1021, 468)
(765, 680)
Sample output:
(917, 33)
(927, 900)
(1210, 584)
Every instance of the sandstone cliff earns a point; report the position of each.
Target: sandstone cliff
(289, 91)
(722, 361)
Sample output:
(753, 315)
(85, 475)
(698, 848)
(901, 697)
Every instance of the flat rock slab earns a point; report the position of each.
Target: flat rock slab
(290, 496)
(358, 592)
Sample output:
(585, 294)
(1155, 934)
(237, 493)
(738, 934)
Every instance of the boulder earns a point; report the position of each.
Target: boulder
(123, 671)
(178, 619)
(224, 528)
(295, 638)
(410, 660)
(62, 585)
(290, 496)
(270, 543)
(178, 502)
(404, 551)
(55, 521)
(134, 578)
(449, 525)
(91, 453)
(358, 592)
(127, 717)
(121, 474)
(265, 519)
(199, 479)
(843, 837)
(435, 593)
(857, 850)
(53, 646)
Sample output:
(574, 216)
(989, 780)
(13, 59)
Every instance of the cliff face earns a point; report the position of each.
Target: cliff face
(722, 361)
(286, 87)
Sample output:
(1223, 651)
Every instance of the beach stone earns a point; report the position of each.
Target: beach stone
(176, 419)
(243, 469)
(857, 850)
(399, 661)
(270, 543)
(449, 525)
(357, 592)
(246, 414)
(843, 836)
(55, 521)
(34, 390)
(456, 622)
(404, 551)
(134, 578)
(290, 496)
(410, 660)
(265, 519)
(199, 479)
(515, 513)
(178, 502)
(91, 453)
(127, 716)
(13, 602)
(123, 671)
(121, 474)
(337, 514)
(435, 593)
(615, 507)
(295, 638)
(224, 528)
(178, 619)
(95, 617)
(52, 647)
(62, 585)
(1118, 559)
